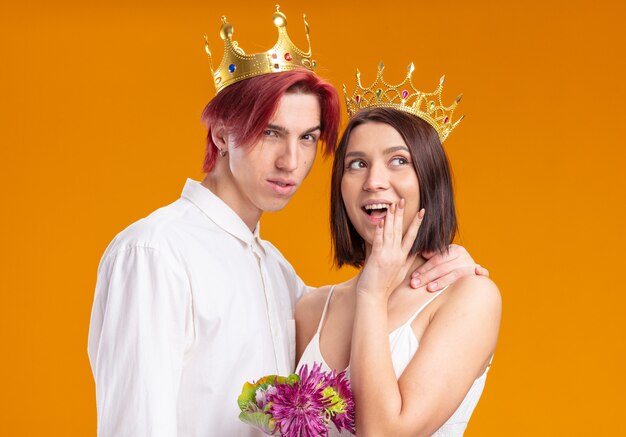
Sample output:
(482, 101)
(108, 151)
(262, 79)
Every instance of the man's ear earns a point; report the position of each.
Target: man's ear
(219, 135)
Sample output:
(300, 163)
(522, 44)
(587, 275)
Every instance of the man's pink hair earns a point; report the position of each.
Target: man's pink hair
(247, 107)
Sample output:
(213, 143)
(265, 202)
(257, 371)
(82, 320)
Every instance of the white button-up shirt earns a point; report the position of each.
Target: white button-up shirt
(189, 305)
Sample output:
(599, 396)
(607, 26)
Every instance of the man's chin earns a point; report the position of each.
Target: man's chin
(275, 206)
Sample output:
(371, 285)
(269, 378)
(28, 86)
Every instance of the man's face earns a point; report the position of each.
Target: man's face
(266, 174)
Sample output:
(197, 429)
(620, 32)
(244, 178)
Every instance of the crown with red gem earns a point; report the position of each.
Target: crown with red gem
(404, 97)
(236, 65)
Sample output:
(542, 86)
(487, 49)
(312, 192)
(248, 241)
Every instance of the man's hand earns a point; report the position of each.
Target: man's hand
(441, 270)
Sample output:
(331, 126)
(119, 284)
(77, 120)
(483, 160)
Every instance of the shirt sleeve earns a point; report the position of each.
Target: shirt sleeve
(300, 287)
(140, 328)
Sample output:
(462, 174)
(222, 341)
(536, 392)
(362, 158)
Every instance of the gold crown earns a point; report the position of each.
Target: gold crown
(405, 97)
(237, 65)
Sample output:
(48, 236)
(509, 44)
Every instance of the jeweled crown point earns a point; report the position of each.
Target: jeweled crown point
(306, 25)
(458, 99)
(442, 80)
(405, 97)
(236, 65)
(226, 31)
(279, 19)
(206, 46)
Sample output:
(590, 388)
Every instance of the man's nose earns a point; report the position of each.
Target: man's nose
(287, 158)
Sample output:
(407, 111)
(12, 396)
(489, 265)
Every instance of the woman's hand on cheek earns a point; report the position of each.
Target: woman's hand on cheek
(389, 260)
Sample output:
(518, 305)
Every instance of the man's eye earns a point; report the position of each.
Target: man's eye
(356, 164)
(269, 133)
(309, 137)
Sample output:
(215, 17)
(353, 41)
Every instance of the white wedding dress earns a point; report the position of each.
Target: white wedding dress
(404, 345)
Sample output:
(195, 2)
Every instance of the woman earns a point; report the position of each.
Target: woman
(417, 361)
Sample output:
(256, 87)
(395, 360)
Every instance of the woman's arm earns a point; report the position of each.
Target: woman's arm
(454, 349)
(453, 352)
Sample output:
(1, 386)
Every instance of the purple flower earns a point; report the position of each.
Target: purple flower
(299, 408)
(344, 420)
(261, 396)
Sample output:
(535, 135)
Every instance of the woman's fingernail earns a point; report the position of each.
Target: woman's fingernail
(432, 286)
(416, 281)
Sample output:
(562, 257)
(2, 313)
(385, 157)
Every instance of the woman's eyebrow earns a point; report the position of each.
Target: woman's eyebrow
(395, 149)
(387, 151)
(355, 153)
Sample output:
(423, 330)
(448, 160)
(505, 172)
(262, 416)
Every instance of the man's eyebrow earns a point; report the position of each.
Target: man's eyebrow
(313, 129)
(283, 130)
(277, 128)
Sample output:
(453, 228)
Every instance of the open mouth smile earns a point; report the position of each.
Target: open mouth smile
(375, 212)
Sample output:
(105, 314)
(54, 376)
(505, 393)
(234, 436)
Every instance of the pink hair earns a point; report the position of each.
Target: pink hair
(247, 107)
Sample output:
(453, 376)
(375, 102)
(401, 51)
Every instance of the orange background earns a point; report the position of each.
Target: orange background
(100, 105)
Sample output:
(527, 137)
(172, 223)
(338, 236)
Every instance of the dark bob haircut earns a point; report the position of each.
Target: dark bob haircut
(246, 107)
(435, 187)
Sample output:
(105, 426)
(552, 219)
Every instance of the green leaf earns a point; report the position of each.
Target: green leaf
(292, 379)
(262, 421)
(248, 391)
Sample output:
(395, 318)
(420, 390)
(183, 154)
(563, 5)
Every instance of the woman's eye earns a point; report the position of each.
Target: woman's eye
(356, 164)
(309, 137)
(399, 161)
(269, 133)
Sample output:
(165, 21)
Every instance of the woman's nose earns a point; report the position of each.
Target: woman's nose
(376, 179)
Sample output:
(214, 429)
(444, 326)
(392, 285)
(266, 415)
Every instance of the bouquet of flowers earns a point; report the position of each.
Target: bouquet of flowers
(302, 404)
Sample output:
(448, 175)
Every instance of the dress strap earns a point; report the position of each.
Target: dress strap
(330, 293)
(417, 313)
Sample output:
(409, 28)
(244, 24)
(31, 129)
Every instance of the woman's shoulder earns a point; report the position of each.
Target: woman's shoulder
(477, 294)
(310, 306)
(314, 298)
(480, 284)
(308, 315)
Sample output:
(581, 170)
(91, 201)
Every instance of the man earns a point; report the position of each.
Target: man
(190, 303)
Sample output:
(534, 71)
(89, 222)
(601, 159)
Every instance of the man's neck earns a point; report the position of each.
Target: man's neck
(220, 184)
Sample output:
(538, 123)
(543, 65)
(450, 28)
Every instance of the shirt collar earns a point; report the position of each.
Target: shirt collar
(219, 212)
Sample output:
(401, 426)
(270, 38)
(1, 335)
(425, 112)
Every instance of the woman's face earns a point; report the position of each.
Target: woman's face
(378, 172)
